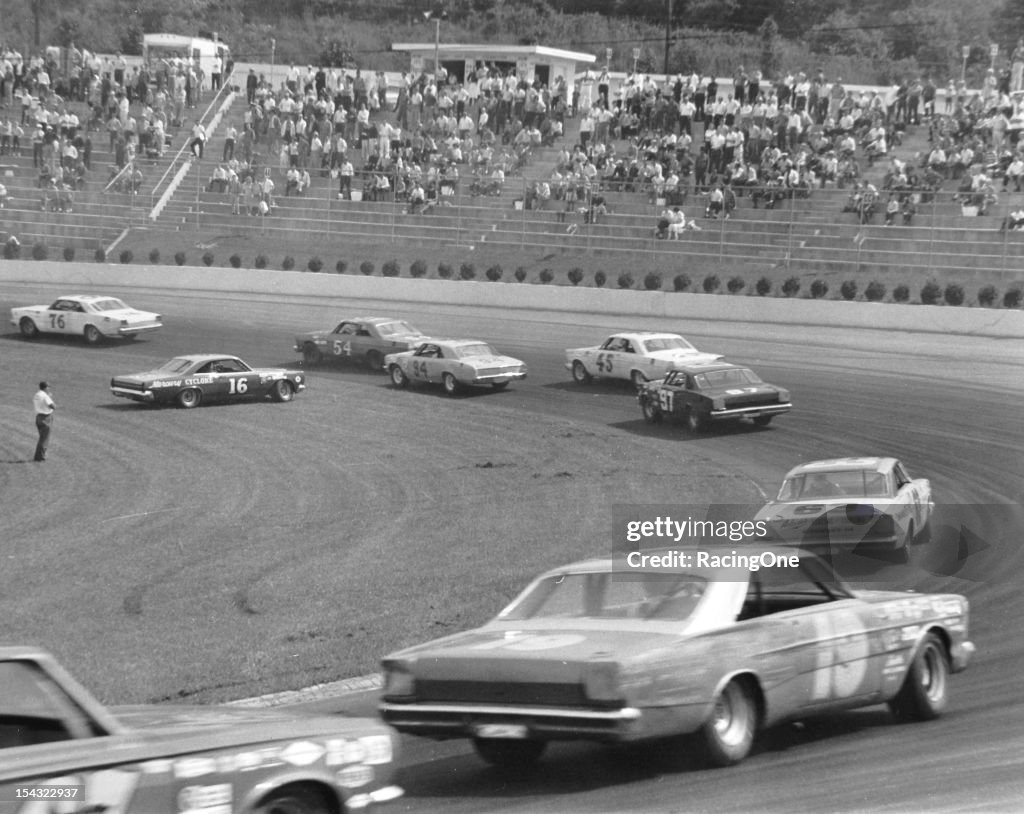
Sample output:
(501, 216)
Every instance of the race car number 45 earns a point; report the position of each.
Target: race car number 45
(508, 731)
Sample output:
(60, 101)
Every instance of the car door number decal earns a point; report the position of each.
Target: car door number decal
(665, 398)
(237, 387)
(532, 642)
(342, 348)
(419, 368)
(841, 659)
(604, 362)
(57, 321)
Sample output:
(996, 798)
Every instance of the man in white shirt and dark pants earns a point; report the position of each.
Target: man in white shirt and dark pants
(44, 408)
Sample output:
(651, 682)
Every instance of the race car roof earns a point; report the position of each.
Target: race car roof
(870, 463)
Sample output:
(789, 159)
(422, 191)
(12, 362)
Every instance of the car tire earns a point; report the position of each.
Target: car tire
(509, 754)
(92, 334)
(924, 535)
(728, 734)
(695, 422)
(499, 385)
(28, 328)
(311, 354)
(374, 361)
(398, 377)
(652, 413)
(638, 379)
(282, 390)
(580, 374)
(189, 398)
(925, 690)
(295, 800)
(762, 420)
(450, 384)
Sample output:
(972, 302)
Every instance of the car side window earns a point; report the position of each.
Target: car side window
(207, 368)
(35, 710)
(778, 589)
(902, 478)
(347, 328)
(627, 347)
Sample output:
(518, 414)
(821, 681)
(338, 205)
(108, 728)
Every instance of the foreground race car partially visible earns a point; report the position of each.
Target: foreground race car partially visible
(638, 356)
(701, 394)
(190, 380)
(92, 316)
(365, 339)
(454, 363)
(636, 650)
(846, 502)
(62, 751)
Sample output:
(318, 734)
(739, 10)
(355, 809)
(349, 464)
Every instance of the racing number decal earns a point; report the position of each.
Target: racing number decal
(57, 321)
(340, 348)
(238, 387)
(604, 362)
(665, 398)
(419, 368)
(841, 660)
(109, 791)
(534, 641)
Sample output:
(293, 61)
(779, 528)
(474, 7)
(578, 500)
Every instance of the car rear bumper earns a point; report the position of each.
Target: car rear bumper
(453, 720)
(129, 330)
(134, 395)
(750, 412)
(497, 378)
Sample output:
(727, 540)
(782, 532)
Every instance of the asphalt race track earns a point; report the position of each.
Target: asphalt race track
(541, 460)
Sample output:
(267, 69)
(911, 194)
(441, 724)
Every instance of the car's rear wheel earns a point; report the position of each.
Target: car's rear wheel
(652, 413)
(728, 734)
(450, 383)
(374, 361)
(499, 385)
(398, 377)
(509, 754)
(925, 691)
(282, 390)
(311, 354)
(92, 334)
(695, 421)
(295, 800)
(28, 328)
(189, 398)
(762, 420)
(580, 374)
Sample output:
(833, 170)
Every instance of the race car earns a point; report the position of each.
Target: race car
(846, 502)
(700, 394)
(92, 316)
(454, 363)
(190, 380)
(639, 356)
(61, 750)
(625, 648)
(364, 339)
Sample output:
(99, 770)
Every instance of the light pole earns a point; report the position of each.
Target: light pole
(436, 15)
(636, 58)
(668, 35)
(966, 52)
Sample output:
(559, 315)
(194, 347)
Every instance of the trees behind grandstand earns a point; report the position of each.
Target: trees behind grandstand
(867, 42)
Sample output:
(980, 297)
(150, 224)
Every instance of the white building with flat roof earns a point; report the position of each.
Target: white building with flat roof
(531, 62)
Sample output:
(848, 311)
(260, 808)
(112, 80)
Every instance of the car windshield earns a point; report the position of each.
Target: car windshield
(392, 328)
(732, 377)
(855, 483)
(479, 349)
(177, 365)
(110, 304)
(667, 343)
(660, 597)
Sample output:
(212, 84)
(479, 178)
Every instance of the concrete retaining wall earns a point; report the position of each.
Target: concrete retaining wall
(510, 296)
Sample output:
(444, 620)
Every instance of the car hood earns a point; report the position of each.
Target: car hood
(145, 376)
(131, 314)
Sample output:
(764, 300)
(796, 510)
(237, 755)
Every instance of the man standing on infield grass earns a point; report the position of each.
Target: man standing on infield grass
(44, 408)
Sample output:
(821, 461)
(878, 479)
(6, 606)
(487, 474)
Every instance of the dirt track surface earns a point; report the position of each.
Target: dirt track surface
(232, 550)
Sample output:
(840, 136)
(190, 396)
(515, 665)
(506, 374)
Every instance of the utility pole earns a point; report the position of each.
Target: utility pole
(668, 35)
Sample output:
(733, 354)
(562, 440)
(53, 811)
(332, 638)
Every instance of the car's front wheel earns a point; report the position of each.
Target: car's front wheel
(652, 413)
(92, 334)
(925, 691)
(695, 421)
(509, 754)
(580, 374)
(728, 734)
(295, 800)
(398, 377)
(638, 379)
(282, 390)
(762, 420)
(28, 328)
(189, 398)
(450, 384)
(499, 385)
(311, 354)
